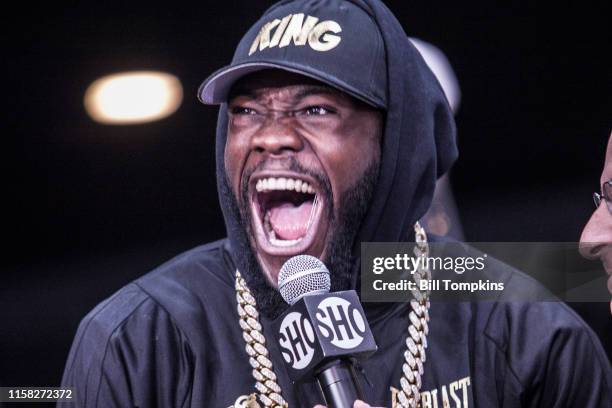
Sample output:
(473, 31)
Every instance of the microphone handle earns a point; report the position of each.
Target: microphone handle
(339, 384)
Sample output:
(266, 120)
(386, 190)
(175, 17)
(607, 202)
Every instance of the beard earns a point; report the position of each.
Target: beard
(344, 226)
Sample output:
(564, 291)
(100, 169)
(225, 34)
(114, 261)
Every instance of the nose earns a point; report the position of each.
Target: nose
(597, 233)
(277, 136)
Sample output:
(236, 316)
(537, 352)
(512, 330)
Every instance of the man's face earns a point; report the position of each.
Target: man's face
(296, 151)
(596, 239)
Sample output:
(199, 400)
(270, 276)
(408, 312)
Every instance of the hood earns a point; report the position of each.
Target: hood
(418, 146)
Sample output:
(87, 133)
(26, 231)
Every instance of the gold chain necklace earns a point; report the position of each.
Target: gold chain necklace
(270, 393)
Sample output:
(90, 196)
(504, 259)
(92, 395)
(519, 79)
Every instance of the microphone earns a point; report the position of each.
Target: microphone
(322, 332)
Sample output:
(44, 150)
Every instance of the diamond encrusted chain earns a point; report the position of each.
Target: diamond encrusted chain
(255, 345)
(416, 341)
(270, 393)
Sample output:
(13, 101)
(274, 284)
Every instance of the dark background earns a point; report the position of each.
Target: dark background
(89, 207)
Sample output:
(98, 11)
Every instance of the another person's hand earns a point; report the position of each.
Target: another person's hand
(358, 404)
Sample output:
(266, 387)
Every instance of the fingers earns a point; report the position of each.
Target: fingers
(361, 404)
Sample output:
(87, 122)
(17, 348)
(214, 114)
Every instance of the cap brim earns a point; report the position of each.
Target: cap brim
(215, 89)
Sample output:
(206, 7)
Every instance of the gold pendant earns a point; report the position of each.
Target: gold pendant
(246, 401)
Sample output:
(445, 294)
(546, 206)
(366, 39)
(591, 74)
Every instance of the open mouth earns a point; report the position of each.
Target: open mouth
(286, 212)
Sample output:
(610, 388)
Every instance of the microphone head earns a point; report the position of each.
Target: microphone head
(302, 275)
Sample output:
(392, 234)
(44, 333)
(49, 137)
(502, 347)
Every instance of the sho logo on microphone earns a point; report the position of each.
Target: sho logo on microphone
(296, 340)
(340, 322)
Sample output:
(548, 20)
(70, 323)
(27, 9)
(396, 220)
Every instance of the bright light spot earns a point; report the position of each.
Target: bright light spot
(442, 69)
(133, 97)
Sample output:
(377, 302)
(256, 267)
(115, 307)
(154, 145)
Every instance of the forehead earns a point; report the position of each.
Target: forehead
(279, 84)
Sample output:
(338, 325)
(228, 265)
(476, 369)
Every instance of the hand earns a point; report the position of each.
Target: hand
(358, 404)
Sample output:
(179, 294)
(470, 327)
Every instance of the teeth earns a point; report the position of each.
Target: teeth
(283, 243)
(283, 183)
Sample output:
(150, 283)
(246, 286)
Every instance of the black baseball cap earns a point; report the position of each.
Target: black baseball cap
(333, 41)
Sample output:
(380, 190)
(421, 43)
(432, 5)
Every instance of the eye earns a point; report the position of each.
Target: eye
(318, 110)
(242, 110)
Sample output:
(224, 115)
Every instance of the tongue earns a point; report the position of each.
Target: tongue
(290, 222)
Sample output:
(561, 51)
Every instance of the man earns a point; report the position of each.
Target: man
(331, 132)
(596, 239)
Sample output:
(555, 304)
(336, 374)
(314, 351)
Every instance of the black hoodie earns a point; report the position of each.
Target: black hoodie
(172, 339)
